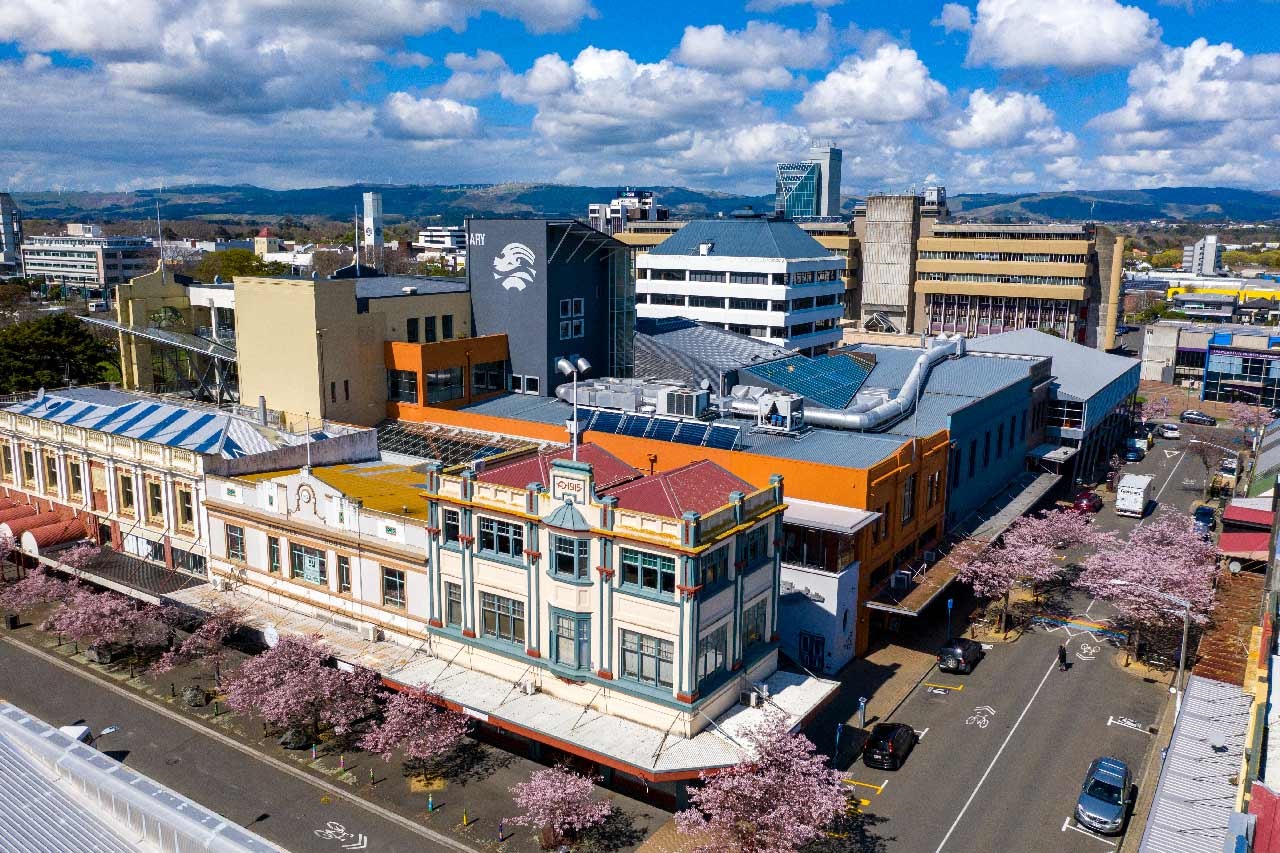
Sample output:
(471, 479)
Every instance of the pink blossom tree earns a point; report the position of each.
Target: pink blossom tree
(416, 723)
(1163, 557)
(79, 556)
(206, 643)
(96, 619)
(559, 801)
(1156, 409)
(291, 685)
(34, 590)
(6, 548)
(774, 801)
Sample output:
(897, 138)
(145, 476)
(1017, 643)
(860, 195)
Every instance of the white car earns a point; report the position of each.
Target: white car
(1170, 431)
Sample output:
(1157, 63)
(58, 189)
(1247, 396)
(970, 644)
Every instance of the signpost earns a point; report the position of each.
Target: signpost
(950, 603)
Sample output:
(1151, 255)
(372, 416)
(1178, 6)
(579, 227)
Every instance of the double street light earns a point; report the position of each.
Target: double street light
(572, 366)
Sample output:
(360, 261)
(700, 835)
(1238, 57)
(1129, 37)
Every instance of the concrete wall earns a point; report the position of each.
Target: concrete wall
(829, 610)
(892, 226)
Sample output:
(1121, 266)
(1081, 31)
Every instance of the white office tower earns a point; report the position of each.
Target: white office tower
(631, 205)
(371, 241)
(10, 237)
(828, 159)
(1203, 258)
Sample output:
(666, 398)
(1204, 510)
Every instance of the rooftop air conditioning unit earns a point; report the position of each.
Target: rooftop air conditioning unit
(409, 291)
(749, 698)
(220, 584)
(684, 402)
(528, 687)
(901, 579)
(370, 633)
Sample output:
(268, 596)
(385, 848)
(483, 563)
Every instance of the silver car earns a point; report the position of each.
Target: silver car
(1104, 801)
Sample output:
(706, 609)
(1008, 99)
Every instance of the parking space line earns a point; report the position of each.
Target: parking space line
(942, 686)
(1067, 824)
(871, 785)
(920, 734)
(999, 752)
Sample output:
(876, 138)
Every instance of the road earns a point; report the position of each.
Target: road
(1003, 751)
(279, 805)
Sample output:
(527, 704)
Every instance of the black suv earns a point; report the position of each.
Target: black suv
(888, 745)
(1191, 416)
(959, 655)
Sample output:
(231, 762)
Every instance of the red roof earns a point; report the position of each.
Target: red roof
(699, 486)
(1246, 543)
(608, 469)
(1245, 515)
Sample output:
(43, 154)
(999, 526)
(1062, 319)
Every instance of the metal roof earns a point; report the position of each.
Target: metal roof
(679, 348)
(146, 418)
(394, 285)
(744, 238)
(1197, 792)
(1080, 371)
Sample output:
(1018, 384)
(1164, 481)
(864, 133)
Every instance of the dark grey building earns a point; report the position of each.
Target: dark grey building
(555, 288)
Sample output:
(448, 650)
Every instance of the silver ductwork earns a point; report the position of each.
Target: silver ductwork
(866, 414)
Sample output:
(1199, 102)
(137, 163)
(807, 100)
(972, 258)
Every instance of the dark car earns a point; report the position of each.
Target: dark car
(1134, 454)
(1086, 502)
(959, 655)
(888, 745)
(1204, 518)
(1275, 412)
(1103, 804)
(1191, 416)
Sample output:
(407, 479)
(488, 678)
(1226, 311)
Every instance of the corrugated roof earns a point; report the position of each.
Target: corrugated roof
(1249, 544)
(607, 469)
(698, 487)
(679, 348)
(744, 238)
(1080, 371)
(1197, 792)
(156, 420)
(1223, 653)
(1240, 513)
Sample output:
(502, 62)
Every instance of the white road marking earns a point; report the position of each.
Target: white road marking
(999, 752)
(1128, 724)
(1067, 824)
(1169, 454)
(986, 647)
(920, 735)
(1088, 652)
(1172, 471)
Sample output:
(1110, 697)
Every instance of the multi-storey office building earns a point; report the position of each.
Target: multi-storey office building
(87, 263)
(810, 187)
(133, 466)
(759, 277)
(1203, 257)
(1225, 362)
(630, 206)
(442, 244)
(887, 227)
(10, 237)
(983, 279)
(545, 588)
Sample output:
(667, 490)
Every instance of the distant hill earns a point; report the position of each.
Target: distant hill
(453, 203)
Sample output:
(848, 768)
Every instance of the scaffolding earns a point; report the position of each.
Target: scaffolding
(449, 445)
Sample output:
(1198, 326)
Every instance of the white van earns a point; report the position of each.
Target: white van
(1133, 493)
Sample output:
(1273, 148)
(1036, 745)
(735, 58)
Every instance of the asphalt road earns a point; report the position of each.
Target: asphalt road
(1003, 751)
(279, 805)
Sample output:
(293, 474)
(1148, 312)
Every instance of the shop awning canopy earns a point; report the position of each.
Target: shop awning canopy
(823, 516)
(1245, 544)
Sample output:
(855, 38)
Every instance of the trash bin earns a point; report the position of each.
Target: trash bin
(11, 621)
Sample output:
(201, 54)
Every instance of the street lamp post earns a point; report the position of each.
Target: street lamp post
(572, 366)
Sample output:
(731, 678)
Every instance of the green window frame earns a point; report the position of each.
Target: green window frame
(653, 573)
(647, 660)
(571, 558)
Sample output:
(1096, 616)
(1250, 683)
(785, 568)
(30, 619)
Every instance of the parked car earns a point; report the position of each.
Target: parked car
(1170, 431)
(1103, 804)
(1275, 412)
(1228, 466)
(1205, 519)
(1086, 502)
(959, 655)
(888, 745)
(1191, 416)
(1134, 454)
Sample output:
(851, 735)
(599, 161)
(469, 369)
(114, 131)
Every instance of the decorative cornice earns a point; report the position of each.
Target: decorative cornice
(605, 572)
(688, 592)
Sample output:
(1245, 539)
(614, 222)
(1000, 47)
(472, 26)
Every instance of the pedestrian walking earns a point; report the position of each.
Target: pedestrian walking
(1062, 657)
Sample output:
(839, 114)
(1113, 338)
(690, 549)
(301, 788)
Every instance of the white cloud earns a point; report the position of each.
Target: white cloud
(473, 76)
(1009, 121)
(761, 45)
(889, 85)
(954, 18)
(1079, 35)
(405, 117)
(775, 5)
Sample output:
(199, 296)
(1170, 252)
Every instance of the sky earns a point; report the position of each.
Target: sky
(982, 96)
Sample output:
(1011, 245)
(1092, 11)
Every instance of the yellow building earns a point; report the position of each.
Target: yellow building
(985, 278)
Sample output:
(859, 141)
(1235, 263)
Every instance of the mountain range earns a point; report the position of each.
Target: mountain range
(453, 203)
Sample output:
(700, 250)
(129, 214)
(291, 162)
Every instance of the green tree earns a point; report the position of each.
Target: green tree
(233, 262)
(1167, 258)
(48, 351)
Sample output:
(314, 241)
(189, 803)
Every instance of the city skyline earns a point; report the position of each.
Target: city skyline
(1001, 95)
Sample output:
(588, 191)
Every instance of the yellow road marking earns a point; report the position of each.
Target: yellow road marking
(876, 788)
(943, 686)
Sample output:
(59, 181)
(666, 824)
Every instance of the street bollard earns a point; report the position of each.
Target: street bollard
(342, 762)
(501, 833)
(862, 712)
(431, 802)
(370, 775)
(465, 822)
(216, 709)
(173, 690)
(313, 752)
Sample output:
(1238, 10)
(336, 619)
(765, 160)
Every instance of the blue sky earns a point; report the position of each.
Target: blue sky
(983, 95)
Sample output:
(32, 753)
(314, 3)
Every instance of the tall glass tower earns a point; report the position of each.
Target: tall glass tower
(796, 190)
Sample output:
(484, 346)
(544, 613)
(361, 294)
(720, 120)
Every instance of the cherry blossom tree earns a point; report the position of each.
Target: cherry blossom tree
(34, 590)
(1249, 418)
(1163, 557)
(290, 685)
(96, 619)
(560, 801)
(6, 548)
(414, 722)
(1156, 409)
(79, 556)
(774, 801)
(206, 643)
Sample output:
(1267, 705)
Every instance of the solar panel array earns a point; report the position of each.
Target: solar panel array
(722, 436)
(828, 380)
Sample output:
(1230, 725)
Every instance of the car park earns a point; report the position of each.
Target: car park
(1086, 502)
(1103, 804)
(959, 655)
(1170, 431)
(888, 745)
(1134, 454)
(1192, 416)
